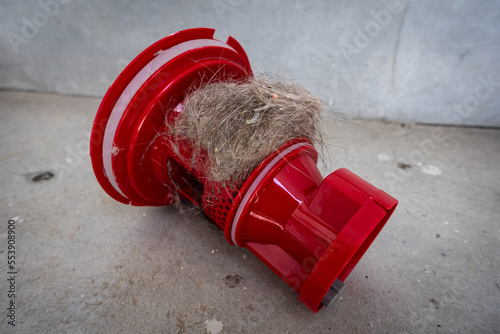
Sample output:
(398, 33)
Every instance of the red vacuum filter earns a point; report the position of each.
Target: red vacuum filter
(310, 231)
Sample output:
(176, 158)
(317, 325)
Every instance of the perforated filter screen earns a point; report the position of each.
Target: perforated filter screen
(217, 201)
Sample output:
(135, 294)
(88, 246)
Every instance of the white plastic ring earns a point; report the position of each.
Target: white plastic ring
(129, 92)
(255, 184)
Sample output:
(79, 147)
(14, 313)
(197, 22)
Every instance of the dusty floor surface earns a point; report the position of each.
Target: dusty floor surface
(88, 264)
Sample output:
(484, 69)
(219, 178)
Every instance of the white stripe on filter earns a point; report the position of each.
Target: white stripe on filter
(255, 184)
(135, 84)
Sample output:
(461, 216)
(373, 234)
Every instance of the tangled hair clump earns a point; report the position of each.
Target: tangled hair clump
(238, 124)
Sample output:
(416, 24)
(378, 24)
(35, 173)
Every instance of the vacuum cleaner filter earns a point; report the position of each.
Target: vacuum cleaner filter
(187, 120)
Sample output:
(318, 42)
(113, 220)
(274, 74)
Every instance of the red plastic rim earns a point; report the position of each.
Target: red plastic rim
(247, 190)
(133, 110)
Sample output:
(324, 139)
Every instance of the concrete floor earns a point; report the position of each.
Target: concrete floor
(88, 264)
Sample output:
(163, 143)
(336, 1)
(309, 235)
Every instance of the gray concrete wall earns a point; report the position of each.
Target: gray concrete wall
(426, 61)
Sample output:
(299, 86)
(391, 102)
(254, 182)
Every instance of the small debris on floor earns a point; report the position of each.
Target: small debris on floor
(402, 165)
(43, 176)
(232, 280)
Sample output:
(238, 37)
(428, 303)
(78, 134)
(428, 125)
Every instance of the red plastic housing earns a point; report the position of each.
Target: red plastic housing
(310, 231)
